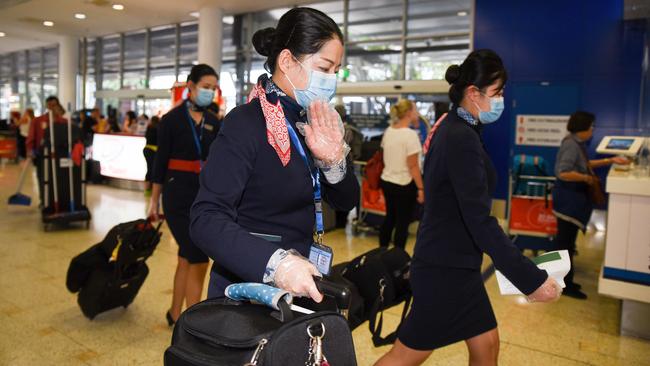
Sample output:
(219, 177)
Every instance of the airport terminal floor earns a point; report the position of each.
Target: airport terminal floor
(43, 325)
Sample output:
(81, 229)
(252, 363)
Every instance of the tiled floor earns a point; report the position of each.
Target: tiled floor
(41, 323)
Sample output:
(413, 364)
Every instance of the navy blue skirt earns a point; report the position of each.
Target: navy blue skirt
(449, 305)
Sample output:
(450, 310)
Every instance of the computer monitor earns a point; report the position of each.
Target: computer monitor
(620, 145)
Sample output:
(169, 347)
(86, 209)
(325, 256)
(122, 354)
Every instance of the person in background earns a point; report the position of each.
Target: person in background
(101, 125)
(401, 179)
(422, 127)
(23, 131)
(141, 125)
(450, 303)
(184, 137)
(113, 125)
(149, 151)
(88, 124)
(571, 202)
(130, 122)
(255, 212)
(354, 138)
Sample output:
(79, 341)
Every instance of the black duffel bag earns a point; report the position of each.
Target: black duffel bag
(135, 240)
(224, 332)
(382, 278)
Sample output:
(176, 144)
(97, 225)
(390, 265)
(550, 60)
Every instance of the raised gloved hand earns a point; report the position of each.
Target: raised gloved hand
(294, 274)
(324, 134)
(549, 291)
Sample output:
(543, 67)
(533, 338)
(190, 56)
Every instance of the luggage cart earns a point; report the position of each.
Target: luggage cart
(372, 206)
(531, 222)
(8, 145)
(64, 183)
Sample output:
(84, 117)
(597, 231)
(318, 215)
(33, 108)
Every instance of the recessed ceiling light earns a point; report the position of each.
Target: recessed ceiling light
(229, 19)
(80, 16)
(462, 13)
(118, 7)
(48, 23)
(2, 34)
(194, 14)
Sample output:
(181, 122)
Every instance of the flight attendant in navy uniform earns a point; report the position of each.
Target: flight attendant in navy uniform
(274, 160)
(184, 138)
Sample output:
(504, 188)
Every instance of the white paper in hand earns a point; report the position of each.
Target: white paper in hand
(557, 264)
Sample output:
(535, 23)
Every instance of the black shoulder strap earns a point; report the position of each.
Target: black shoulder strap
(375, 328)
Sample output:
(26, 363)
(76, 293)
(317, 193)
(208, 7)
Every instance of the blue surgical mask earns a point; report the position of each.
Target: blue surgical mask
(496, 108)
(204, 97)
(320, 86)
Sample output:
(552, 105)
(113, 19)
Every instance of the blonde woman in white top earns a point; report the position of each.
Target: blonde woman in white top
(401, 179)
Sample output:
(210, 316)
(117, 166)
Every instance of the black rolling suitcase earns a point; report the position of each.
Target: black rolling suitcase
(109, 274)
(225, 332)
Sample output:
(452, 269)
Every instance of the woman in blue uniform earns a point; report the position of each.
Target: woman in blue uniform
(256, 209)
(450, 303)
(184, 137)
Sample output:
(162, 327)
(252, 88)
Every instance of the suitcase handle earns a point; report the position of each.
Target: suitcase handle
(339, 292)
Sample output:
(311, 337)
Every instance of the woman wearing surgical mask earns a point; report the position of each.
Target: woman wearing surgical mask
(256, 212)
(450, 303)
(184, 137)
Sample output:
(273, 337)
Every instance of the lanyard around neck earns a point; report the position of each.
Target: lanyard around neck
(197, 137)
(315, 176)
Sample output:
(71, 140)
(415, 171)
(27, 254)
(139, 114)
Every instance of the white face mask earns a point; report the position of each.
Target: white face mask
(321, 86)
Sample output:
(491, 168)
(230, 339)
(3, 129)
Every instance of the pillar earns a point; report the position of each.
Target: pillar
(68, 64)
(210, 36)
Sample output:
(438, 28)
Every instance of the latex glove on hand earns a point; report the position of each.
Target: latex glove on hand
(324, 133)
(294, 274)
(549, 291)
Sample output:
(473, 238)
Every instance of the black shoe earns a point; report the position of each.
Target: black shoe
(574, 293)
(170, 320)
(573, 285)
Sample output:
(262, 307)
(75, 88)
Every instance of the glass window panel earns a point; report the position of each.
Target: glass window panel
(111, 81)
(429, 59)
(374, 19)
(110, 54)
(134, 60)
(50, 86)
(162, 78)
(374, 61)
(51, 67)
(34, 63)
(90, 56)
(189, 44)
(439, 17)
(163, 44)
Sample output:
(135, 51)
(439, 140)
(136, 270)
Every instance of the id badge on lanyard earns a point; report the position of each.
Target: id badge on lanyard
(197, 138)
(320, 255)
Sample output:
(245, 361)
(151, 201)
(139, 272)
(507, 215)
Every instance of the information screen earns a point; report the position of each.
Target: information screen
(620, 144)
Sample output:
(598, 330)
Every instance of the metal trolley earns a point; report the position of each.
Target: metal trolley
(372, 207)
(531, 222)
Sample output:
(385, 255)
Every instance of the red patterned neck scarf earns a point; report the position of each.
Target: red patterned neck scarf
(427, 142)
(277, 134)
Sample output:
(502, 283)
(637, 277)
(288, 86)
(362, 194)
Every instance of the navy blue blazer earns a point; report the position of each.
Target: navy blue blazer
(245, 189)
(456, 227)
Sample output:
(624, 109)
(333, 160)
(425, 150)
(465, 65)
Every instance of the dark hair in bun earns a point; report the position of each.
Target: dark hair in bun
(481, 69)
(303, 31)
(263, 40)
(199, 71)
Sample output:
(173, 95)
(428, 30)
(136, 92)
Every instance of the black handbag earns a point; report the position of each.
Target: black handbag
(382, 278)
(224, 332)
